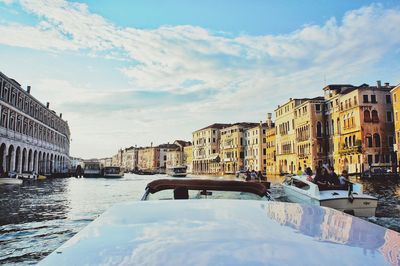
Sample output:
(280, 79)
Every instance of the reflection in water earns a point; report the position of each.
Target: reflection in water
(37, 217)
(337, 227)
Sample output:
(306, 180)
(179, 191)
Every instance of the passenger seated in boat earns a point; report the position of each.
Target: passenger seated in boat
(309, 174)
(344, 178)
(181, 193)
(299, 172)
(333, 179)
(321, 177)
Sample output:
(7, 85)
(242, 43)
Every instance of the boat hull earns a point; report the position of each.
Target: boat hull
(363, 207)
(113, 175)
(177, 174)
(93, 175)
(10, 181)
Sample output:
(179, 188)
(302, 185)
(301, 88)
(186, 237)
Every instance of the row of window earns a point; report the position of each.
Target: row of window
(21, 124)
(17, 97)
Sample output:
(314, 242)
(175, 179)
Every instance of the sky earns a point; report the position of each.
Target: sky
(126, 73)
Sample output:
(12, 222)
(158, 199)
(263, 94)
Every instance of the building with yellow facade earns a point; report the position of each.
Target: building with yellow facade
(175, 154)
(309, 123)
(396, 111)
(253, 152)
(148, 159)
(270, 150)
(232, 147)
(188, 158)
(206, 145)
(359, 127)
(286, 148)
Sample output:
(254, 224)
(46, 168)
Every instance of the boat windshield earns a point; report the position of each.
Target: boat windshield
(168, 194)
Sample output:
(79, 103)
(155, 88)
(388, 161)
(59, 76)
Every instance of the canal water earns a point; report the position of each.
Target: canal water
(37, 217)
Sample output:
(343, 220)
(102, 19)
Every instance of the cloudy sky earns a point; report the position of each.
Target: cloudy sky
(129, 73)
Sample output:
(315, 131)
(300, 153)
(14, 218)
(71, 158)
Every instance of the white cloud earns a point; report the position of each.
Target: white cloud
(247, 73)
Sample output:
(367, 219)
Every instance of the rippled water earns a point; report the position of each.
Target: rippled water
(37, 217)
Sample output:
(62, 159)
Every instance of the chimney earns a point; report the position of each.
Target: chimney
(378, 83)
(386, 84)
(28, 89)
(60, 115)
(269, 119)
(47, 105)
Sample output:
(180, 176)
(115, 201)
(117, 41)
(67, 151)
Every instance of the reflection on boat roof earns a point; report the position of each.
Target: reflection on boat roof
(199, 184)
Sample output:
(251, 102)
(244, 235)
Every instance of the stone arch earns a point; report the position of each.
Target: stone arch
(18, 160)
(374, 116)
(3, 158)
(377, 140)
(369, 140)
(24, 160)
(10, 161)
(47, 163)
(367, 116)
(35, 161)
(30, 160)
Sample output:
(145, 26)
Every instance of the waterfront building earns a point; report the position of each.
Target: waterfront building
(206, 145)
(129, 161)
(232, 147)
(148, 158)
(175, 155)
(254, 154)
(75, 161)
(309, 122)
(118, 158)
(188, 158)
(270, 148)
(396, 114)
(32, 136)
(105, 162)
(285, 138)
(364, 133)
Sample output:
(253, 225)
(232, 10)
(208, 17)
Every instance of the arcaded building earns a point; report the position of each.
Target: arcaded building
(32, 136)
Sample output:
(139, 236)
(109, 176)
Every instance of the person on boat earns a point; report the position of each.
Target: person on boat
(299, 172)
(333, 178)
(248, 177)
(309, 174)
(322, 178)
(253, 175)
(344, 178)
(260, 176)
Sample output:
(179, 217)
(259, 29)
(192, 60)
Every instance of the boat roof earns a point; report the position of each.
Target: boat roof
(200, 184)
(227, 232)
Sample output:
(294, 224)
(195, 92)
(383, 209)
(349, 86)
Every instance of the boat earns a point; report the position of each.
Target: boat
(177, 171)
(112, 172)
(28, 175)
(350, 199)
(92, 169)
(224, 231)
(10, 181)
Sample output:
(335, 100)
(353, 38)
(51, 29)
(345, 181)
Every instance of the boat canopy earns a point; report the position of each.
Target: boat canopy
(201, 184)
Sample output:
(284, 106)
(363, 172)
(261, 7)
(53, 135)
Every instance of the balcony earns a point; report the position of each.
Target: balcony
(350, 150)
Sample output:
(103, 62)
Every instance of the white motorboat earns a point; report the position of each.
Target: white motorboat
(112, 172)
(349, 199)
(92, 169)
(10, 181)
(178, 171)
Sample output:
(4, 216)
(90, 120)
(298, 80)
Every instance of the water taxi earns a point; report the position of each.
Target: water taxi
(177, 171)
(92, 169)
(350, 199)
(112, 172)
(207, 223)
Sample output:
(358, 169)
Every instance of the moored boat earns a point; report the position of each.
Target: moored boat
(350, 199)
(112, 172)
(177, 171)
(10, 181)
(92, 169)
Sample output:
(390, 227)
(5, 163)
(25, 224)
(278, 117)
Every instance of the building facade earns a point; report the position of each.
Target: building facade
(175, 155)
(270, 148)
(361, 127)
(233, 146)
(32, 136)
(149, 158)
(286, 148)
(309, 122)
(206, 146)
(255, 153)
(188, 158)
(396, 117)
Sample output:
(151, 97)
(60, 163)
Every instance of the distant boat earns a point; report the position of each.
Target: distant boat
(112, 172)
(178, 171)
(10, 181)
(92, 169)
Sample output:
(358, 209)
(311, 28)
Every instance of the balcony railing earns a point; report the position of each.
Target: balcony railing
(352, 149)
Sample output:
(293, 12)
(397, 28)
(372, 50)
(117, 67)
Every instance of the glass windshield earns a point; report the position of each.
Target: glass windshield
(168, 194)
